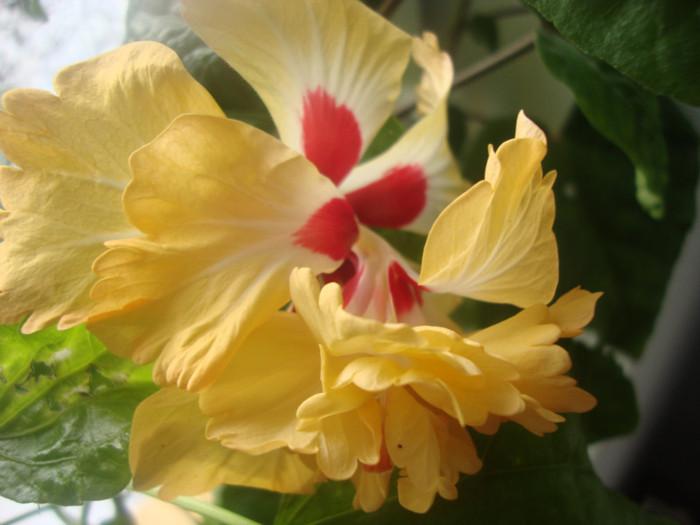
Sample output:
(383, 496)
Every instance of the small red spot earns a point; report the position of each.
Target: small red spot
(331, 230)
(347, 275)
(393, 201)
(331, 136)
(384, 462)
(405, 292)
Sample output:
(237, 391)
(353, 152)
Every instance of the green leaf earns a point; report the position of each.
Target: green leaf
(257, 504)
(606, 242)
(65, 411)
(654, 42)
(387, 135)
(484, 30)
(525, 479)
(599, 374)
(160, 21)
(619, 109)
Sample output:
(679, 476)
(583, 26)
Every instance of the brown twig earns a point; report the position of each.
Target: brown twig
(388, 7)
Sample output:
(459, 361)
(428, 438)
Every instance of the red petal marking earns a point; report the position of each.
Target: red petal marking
(384, 462)
(331, 230)
(393, 201)
(347, 275)
(330, 135)
(405, 292)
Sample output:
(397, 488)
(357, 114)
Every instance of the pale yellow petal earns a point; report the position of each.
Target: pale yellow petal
(252, 405)
(293, 49)
(168, 449)
(411, 440)
(73, 148)
(417, 177)
(371, 489)
(349, 438)
(495, 242)
(228, 211)
(438, 73)
(573, 310)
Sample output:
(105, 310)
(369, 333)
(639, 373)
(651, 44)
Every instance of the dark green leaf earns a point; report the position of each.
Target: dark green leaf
(257, 504)
(619, 109)
(525, 479)
(598, 373)
(484, 30)
(654, 42)
(65, 412)
(388, 134)
(160, 21)
(457, 119)
(606, 242)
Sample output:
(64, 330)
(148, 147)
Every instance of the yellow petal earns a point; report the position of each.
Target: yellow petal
(411, 440)
(573, 310)
(371, 489)
(348, 438)
(495, 242)
(438, 73)
(227, 211)
(329, 72)
(73, 148)
(169, 449)
(252, 405)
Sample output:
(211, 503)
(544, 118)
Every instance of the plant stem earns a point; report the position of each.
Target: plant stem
(498, 59)
(388, 7)
(61, 514)
(506, 12)
(26, 515)
(488, 64)
(208, 510)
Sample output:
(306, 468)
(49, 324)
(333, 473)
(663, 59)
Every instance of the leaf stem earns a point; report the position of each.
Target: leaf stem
(208, 510)
(388, 7)
(494, 61)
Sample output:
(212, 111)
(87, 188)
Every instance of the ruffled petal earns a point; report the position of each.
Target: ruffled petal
(329, 72)
(227, 211)
(73, 148)
(415, 179)
(253, 403)
(495, 242)
(168, 448)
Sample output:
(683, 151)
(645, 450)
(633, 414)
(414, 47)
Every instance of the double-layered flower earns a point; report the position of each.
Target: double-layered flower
(354, 398)
(326, 394)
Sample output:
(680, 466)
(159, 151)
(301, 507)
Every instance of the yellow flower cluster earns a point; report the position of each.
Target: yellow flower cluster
(179, 236)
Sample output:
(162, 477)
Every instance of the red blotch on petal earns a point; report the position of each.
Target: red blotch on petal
(331, 230)
(393, 201)
(405, 292)
(331, 136)
(384, 464)
(347, 275)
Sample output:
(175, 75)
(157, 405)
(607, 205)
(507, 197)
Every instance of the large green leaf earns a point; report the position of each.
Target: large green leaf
(606, 242)
(619, 109)
(525, 479)
(65, 411)
(654, 42)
